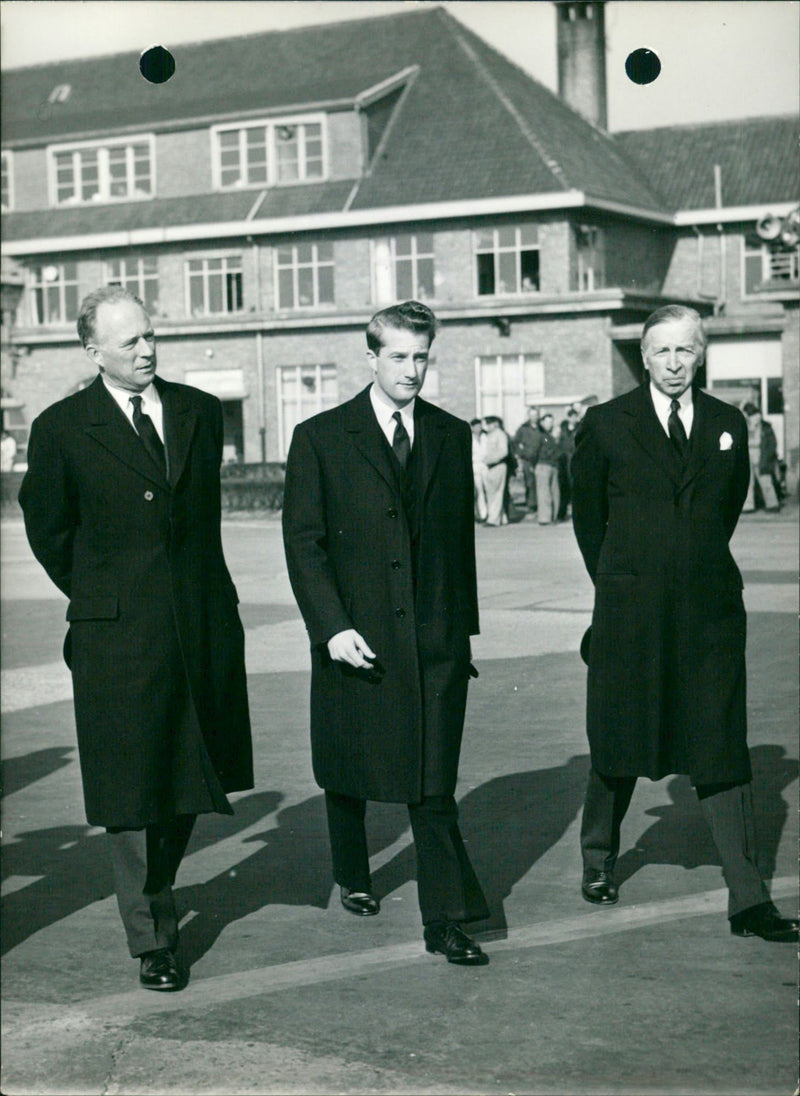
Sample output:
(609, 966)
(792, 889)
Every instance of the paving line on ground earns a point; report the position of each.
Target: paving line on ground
(259, 981)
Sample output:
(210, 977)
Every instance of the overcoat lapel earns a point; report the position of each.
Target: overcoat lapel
(704, 440)
(109, 427)
(650, 434)
(429, 432)
(363, 430)
(180, 420)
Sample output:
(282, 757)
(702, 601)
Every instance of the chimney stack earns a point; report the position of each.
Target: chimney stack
(582, 58)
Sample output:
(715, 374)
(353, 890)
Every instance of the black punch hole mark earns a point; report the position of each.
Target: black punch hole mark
(157, 65)
(642, 66)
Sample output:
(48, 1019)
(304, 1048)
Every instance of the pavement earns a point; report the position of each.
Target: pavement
(291, 994)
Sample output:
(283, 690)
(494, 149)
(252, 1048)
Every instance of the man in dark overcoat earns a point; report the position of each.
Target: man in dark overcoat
(379, 536)
(122, 509)
(659, 478)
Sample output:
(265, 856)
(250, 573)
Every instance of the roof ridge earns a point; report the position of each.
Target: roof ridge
(550, 163)
(784, 117)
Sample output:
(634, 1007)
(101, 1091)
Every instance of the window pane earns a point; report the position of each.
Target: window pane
(196, 303)
(485, 239)
(507, 237)
(752, 272)
(404, 284)
(304, 253)
(529, 234)
(326, 285)
(215, 293)
(774, 395)
(71, 302)
(507, 266)
(285, 255)
(402, 245)
(233, 284)
(325, 251)
(529, 265)
(485, 274)
(285, 289)
(490, 375)
(425, 278)
(424, 243)
(305, 286)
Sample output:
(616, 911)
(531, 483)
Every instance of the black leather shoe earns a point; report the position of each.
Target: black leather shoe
(599, 887)
(360, 903)
(159, 970)
(452, 942)
(764, 920)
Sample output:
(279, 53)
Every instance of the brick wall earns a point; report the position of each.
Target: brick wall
(183, 163)
(30, 179)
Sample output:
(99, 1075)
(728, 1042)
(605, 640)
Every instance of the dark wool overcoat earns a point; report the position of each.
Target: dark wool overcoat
(157, 647)
(395, 561)
(666, 684)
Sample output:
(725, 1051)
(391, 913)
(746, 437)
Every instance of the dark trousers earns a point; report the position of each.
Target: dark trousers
(727, 809)
(145, 863)
(446, 882)
(529, 476)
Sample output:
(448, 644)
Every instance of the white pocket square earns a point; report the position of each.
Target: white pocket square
(725, 441)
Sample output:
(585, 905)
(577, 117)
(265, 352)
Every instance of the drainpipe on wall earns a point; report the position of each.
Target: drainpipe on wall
(723, 251)
(262, 424)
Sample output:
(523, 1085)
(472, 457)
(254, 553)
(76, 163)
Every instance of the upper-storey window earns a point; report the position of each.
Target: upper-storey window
(507, 260)
(304, 275)
(7, 182)
(290, 150)
(214, 285)
(106, 172)
(768, 267)
(139, 275)
(403, 267)
(53, 293)
(590, 246)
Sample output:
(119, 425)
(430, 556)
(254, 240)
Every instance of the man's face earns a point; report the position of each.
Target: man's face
(124, 346)
(400, 364)
(672, 352)
(533, 415)
(547, 422)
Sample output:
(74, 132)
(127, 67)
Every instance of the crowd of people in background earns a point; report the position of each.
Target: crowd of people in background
(539, 452)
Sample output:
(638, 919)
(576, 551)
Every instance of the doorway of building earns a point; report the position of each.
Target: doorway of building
(233, 437)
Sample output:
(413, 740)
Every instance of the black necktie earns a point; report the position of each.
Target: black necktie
(401, 443)
(676, 430)
(143, 425)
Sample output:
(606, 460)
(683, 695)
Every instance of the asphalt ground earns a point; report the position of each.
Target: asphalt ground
(291, 994)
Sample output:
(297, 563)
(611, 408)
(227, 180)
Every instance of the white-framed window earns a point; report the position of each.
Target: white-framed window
(268, 153)
(506, 384)
(590, 245)
(303, 391)
(53, 293)
(7, 199)
(506, 260)
(767, 267)
(303, 275)
(403, 268)
(139, 274)
(106, 171)
(214, 285)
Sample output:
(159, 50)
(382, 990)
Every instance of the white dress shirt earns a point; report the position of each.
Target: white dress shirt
(663, 408)
(384, 412)
(151, 404)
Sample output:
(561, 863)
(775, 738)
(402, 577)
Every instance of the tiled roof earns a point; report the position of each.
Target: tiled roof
(758, 159)
(472, 125)
(191, 210)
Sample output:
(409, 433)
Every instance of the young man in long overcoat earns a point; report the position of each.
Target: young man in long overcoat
(122, 509)
(659, 478)
(379, 536)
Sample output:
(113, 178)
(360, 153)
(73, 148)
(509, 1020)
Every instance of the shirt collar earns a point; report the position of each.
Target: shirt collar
(385, 410)
(664, 403)
(123, 396)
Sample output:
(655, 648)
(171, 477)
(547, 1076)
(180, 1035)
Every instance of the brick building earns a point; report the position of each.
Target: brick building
(264, 219)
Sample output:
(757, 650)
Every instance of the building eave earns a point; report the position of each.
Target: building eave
(730, 214)
(319, 222)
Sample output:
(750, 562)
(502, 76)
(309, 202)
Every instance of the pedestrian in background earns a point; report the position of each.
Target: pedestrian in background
(495, 454)
(763, 449)
(122, 509)
(660, 476)
(547, 463)
(380, 547)
(526, 447)
(479, 470)
(566, 442)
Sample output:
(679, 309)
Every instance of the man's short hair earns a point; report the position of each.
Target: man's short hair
(674, 312)
(475, 422)
(408, 316)
(750, 409)
(87, 315)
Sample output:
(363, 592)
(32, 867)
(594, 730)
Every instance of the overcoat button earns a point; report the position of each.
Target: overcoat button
(391, 513)
(395, 564)
(400, 613)
(149, 496)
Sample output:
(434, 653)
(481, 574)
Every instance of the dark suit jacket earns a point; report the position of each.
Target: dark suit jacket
(154, 628)
(362, 555)
(666, 686)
